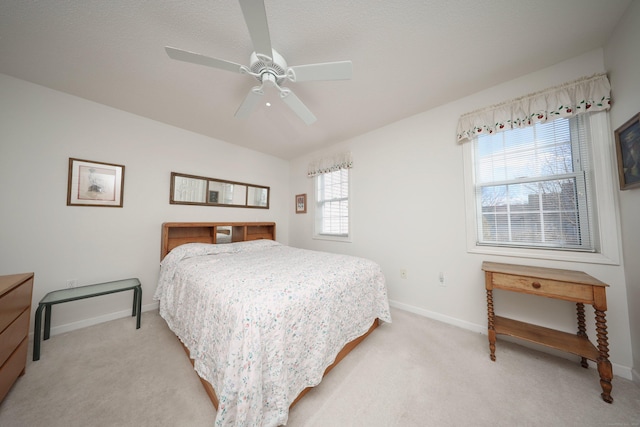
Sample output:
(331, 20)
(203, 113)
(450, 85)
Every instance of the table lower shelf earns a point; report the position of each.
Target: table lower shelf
(571, 343)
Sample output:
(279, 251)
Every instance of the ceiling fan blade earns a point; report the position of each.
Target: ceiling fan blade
(297, 106)
(341, 70)
(255, 15)
(196, 58)
(250, 102)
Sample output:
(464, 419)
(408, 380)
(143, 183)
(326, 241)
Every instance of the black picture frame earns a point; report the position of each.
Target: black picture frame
(628, 153)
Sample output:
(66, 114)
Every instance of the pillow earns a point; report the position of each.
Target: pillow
(189, 250)
(170, 262)
(251, 245)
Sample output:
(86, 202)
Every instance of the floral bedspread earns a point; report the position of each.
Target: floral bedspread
(262, 320)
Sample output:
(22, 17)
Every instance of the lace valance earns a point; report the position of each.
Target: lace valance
(330, 164)
(584, 95)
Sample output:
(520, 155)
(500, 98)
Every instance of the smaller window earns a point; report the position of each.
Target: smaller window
(332, 204)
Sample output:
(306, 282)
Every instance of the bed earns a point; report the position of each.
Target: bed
(263, 322)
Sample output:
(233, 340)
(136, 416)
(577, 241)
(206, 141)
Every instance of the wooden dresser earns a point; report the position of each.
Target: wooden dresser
(568, 285)
(15, 308)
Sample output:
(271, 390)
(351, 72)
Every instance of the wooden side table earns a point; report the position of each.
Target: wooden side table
(568, 285)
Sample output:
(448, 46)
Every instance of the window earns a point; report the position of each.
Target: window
(332, 204)
(532, 187)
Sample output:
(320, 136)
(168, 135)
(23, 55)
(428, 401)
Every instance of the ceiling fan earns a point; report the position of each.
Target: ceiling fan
(268, 66)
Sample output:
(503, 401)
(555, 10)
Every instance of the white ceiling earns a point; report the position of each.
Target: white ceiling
(408, 56)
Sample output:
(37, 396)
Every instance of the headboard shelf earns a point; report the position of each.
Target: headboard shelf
(178, 233)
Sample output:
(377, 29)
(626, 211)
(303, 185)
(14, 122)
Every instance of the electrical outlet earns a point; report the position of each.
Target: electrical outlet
(403, 273)
(72, 283)
(441, 279)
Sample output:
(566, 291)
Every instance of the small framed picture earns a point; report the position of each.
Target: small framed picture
(628, 152)
(95, 184)
(301, 203)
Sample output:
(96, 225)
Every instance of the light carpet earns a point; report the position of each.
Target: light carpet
(412, 372)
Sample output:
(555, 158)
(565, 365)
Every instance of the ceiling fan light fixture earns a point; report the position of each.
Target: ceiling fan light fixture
(269, 79)
(277, 66)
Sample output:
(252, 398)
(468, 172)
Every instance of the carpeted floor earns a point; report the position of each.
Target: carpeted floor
(413, 372)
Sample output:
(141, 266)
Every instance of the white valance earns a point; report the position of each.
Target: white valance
(330, 164)
(584, 95)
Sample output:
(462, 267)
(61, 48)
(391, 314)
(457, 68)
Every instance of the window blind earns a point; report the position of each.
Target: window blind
(533, 187)
(332, 193)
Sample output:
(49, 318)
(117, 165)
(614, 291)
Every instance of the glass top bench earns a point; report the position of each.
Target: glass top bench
(82, 292)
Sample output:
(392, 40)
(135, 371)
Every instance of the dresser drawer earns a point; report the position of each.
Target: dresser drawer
(13, 367)
(14, 302)
(544, 287)
(13, 335)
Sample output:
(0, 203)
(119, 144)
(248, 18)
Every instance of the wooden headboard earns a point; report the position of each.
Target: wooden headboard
(178, 233)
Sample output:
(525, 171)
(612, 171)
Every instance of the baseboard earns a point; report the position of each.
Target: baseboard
(440, 317)
(61, 329)
(619, 370)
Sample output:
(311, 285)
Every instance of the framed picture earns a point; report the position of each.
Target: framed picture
(301, 203)
(628, 151)
(213, 196)
(95, 184)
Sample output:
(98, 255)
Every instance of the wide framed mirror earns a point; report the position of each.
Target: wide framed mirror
(199, 190)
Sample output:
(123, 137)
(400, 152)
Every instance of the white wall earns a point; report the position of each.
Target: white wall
(408, 210)
(40, 129)
(622, 57)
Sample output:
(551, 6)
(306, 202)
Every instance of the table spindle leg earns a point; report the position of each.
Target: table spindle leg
(582, 330)
(491, 326)
(604, 366)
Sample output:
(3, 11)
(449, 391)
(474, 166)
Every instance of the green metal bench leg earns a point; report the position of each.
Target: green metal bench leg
(37, 331)
(137, 301)
(47, 321)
